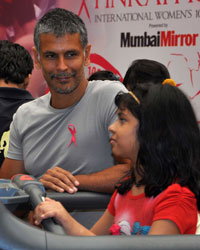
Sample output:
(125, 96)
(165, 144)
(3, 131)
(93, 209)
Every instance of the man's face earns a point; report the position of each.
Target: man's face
(62, 60)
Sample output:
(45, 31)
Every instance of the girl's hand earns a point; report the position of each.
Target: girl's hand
(48, 209)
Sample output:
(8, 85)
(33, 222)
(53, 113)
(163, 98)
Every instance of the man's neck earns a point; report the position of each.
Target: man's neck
(61, 101)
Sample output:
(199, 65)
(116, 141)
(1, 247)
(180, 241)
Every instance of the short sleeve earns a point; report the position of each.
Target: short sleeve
(179, 205)
(111, 207)
(15, 148)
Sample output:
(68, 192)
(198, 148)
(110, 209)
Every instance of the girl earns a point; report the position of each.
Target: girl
(158, 132)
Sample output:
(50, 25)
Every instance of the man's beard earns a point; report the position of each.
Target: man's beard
(67, 90)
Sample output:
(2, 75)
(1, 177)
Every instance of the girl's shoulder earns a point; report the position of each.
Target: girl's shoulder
(175, 203)
(177, 194)
(178, 189)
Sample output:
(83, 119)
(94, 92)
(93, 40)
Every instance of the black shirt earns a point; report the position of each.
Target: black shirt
(10, 100)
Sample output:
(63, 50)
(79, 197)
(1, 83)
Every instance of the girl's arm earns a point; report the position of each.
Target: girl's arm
(164, 227)
(51, 208)
(102, 226)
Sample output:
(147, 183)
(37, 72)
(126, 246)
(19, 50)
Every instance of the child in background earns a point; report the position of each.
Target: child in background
(103, 75)
(158, 132)
(144, 71)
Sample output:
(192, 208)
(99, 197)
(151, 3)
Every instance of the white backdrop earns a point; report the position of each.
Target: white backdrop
(108, 21)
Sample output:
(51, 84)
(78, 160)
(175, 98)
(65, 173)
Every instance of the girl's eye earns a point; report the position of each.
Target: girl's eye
(122, 120)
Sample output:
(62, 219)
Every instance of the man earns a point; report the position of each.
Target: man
(16, 66)
(62, 138)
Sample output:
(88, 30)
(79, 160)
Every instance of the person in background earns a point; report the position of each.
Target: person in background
(145, 71)
(103, 75)
(16, 66)
(164, 186)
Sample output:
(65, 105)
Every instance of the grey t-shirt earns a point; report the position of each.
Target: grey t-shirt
(75, 138)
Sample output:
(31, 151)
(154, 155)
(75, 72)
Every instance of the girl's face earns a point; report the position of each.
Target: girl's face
(124, 140)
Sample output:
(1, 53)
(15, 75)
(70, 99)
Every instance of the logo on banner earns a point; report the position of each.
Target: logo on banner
(84, 6)
(131, 3)
(161, 39)
(102, 63)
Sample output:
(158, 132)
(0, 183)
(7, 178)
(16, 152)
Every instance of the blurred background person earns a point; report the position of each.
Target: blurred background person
(16, 66)
(144, 71)
(103, 75)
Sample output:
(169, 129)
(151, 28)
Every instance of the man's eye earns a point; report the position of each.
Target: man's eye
(50, 56)
(71, 54)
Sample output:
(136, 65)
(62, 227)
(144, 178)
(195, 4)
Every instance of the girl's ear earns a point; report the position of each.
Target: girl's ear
(36, 58)
(87, 54)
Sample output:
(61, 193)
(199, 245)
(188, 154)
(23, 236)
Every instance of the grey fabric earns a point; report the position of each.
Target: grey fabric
(40, 135)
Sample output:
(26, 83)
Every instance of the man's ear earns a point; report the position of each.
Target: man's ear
(36, 58)
(87, 54)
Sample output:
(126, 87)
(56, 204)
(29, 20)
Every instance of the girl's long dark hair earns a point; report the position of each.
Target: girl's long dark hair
(169, 138)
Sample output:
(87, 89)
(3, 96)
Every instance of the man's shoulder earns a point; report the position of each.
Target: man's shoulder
(107, 86)
(31, 105)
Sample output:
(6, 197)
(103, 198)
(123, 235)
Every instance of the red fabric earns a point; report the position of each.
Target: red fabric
(115, 229)
(111, 207)
(135, 214)
(179, 205)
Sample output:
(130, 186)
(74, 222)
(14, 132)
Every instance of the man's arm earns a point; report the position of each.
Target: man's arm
(61, 180)
(105, 180)
(11, 167)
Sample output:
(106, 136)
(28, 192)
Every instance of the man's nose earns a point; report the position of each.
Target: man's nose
(62, 65)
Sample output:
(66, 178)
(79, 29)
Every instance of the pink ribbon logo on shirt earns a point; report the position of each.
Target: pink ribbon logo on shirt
(72, 130)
